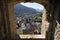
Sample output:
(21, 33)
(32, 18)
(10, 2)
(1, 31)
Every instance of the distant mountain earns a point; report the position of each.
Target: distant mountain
(21, 9)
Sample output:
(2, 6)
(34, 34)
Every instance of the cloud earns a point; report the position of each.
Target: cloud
(33, 5)
(28, 8)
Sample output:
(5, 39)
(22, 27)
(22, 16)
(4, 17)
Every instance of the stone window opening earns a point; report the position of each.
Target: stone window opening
(32, 35)
(10, 32)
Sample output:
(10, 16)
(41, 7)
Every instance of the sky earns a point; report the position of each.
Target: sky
(28, 7)
(33, 5)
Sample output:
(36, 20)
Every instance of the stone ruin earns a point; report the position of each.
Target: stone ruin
(50, 19)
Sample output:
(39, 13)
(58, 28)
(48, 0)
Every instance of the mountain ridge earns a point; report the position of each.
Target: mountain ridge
(21, 9)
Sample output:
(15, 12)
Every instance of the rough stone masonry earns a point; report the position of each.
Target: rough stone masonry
(51, 20)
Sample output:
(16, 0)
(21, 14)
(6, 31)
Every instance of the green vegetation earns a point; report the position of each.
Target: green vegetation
(37, 18)
(19, 32)
(40, 15)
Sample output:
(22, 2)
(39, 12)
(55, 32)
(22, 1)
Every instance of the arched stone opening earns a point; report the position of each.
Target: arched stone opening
(43, 27)
(9, 29)
(9, 19)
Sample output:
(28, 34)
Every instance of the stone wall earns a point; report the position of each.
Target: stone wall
(53, 32)
(7, 26)
(50, 19)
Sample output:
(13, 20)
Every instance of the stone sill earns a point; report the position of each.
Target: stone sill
(32, 36)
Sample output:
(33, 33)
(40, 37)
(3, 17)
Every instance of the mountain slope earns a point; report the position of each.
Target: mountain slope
(21, 9)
